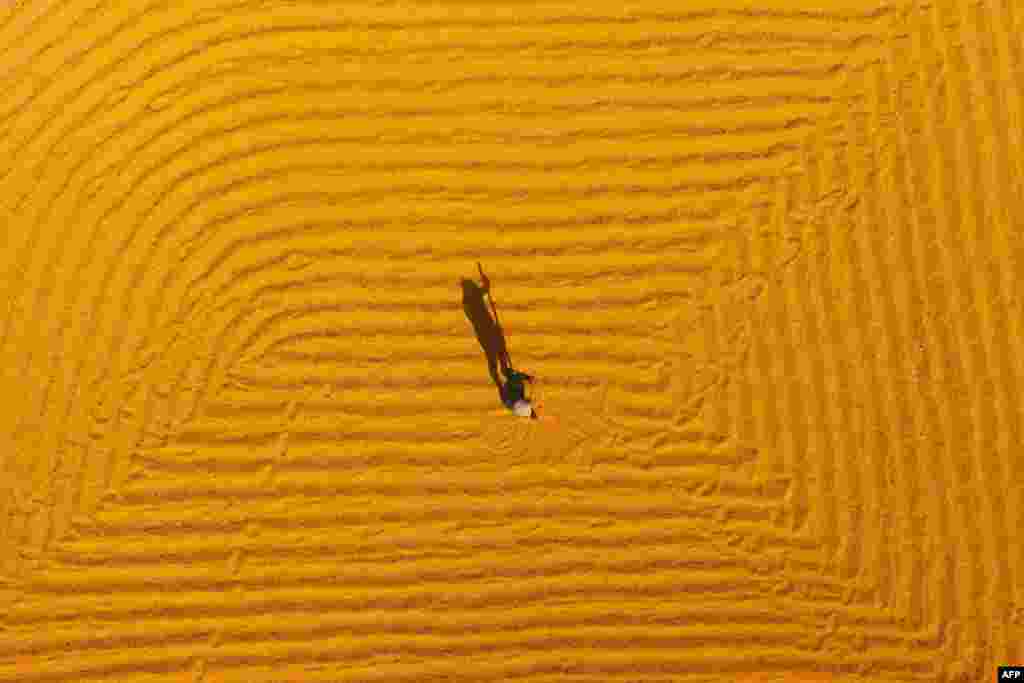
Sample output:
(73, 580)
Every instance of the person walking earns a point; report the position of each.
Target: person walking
(512, 390)
(513, 393)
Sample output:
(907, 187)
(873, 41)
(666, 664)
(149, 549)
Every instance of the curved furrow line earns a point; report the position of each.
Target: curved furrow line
(289, 483)
(503, 106)
(197, 568)
(1008, 164)
(782, 391)
(945, 365)
(653, 161)
(212, 577)
(851, 265)
(746, 43)
(684, 481)
(259, 329)
(602, 653)
(464, 574)
(872, 298)
(467, 417)
(197, 565)
(711, 664)
(261, 271)
(773, 552)
(380, 542)
(704, 75)
(332, 304)
(680, 213)
(764, 358)
(392, 452)
(875, 297)
(584, 665)
(430, 625)
(798, 428)
(732, 44)
(453, 328)
(985, 320)
(858, 474)
(250, 155)
(727, 522)
(40, 17)
(792, 441)
(234, 247)
(513, 620)
(465, 361)
(161, 521)
(624, 294)
(459, 362)
(215, 194)
(293, 481)
(460, 622)
(215, 543)
(187, 305)
(692, 250)
(971, 297)
(687, 450)
(204, 605)
(448, 19)
(810, 305)
(243, 275)
(483, 593)
(562, 652)
(26, 71)
(281, 285)
(461, 421)
(66, 38)
(246, 156)
(631, 629)
(914, 246)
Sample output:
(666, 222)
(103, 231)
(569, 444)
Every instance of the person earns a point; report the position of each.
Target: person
(513, 393)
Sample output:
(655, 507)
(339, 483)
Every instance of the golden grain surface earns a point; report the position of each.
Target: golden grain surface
(764, 257)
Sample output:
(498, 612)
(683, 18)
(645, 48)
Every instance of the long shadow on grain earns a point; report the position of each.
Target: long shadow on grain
(488, 330)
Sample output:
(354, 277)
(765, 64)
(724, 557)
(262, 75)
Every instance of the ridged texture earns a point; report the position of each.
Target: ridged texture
(764, 259)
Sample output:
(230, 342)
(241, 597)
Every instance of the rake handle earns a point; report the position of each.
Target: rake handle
(487, 290)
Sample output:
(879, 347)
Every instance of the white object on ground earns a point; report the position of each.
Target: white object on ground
(522, 408)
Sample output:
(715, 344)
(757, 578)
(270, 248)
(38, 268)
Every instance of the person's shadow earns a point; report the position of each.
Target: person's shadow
(488, 331)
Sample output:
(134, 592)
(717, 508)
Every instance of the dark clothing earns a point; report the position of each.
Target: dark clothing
(514, 390)
(488, 330)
